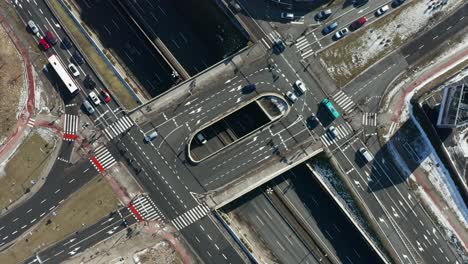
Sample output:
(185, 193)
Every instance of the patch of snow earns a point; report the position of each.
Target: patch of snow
(47, 134)
(23, 95)
(376, 42)
(449, 232)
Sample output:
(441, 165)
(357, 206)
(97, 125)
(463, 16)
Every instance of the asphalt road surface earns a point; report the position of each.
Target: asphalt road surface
(77, 242)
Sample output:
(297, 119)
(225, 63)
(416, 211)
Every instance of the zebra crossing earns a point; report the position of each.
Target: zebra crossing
(190, 216)
(270, 39)
(102, 159)
(144, 209)
(369, 119)
(304, 47)
(344, 102)
(31, 122)
(343, 131)
(70, 127)
(117, 128)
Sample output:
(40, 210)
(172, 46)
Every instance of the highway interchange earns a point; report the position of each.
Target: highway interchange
(171, 181)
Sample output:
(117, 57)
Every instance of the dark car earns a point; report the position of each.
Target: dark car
(77, 58)
(358, 23)
(66, 43)
(312, 122)
(249, 88)
(89, 82)
(397, 3)
(329, 28)
(51, 38)
(278, 46)
(359, 3)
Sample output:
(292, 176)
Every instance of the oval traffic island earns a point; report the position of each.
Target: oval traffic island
(235, 125)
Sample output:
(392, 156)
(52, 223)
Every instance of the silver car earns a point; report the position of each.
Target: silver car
(32, 26)
(291, 96)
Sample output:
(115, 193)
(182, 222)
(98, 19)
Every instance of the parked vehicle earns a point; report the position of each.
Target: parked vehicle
(358, 23)
(382, 10)
(341, 33)
(329, 28)
(322, 15)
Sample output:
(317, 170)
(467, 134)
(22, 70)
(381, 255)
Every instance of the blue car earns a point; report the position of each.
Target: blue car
(330, 28)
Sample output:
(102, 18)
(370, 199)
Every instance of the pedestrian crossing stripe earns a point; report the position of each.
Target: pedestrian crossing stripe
(369, 119)
(190, 217)
(102, 159)
(304, 47)
(144, 209)
(31, 122)
(70, 127)
(119, 127)
(343, 131)
(344, 102)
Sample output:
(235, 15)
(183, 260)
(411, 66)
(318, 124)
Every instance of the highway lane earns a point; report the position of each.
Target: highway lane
(382, 182)
(63, 180)
(270, 227)
(300, 189)
(79, 241)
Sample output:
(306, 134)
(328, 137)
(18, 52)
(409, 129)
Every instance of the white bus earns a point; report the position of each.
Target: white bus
(62, 72)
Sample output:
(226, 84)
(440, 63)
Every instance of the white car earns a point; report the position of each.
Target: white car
(32, 26)
(333, 132)
(340, 34)
(289, 16)
(382, 10)
(291, 96)
(73, 70)
(93, 96)
(300, 86)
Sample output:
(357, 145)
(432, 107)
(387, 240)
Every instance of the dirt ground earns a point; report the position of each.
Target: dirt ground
(141, 248)
(11, 83)
(23, 170)
(85, 207)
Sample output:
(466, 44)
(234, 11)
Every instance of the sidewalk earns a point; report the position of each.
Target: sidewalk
(16, 137)
(390, 122)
